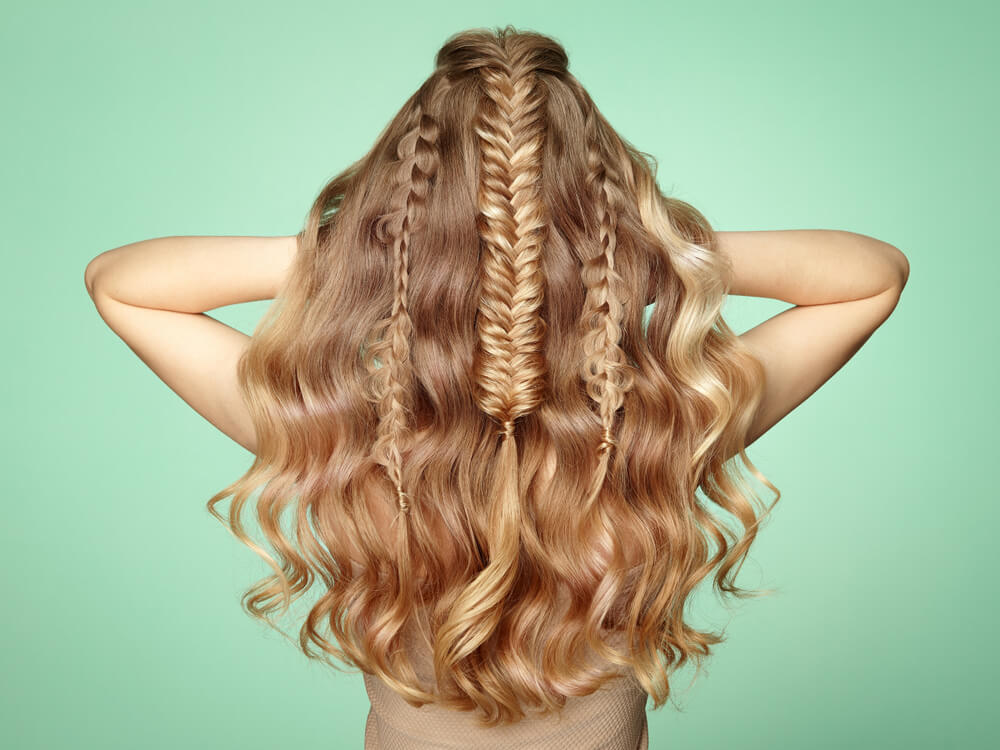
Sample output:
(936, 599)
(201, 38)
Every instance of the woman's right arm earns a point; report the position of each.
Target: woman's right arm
(843, 285)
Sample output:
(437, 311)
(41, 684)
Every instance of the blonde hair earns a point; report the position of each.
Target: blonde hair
(460, 343)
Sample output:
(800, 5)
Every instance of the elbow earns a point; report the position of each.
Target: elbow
(897, 267)
(902, 270)
(88, 279)
(90, 274)
(892, 264)
(906, 267)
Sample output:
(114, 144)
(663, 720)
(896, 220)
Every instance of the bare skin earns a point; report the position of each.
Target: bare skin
(843, 285)
(154, 295)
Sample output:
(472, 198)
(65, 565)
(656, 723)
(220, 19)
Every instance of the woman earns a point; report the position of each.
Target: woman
(490, 459)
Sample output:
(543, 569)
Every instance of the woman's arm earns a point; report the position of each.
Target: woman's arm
(192, 274)
(843, 287)
(153, 295)
(812, 266)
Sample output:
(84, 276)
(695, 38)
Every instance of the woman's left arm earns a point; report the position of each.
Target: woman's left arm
(153, 294)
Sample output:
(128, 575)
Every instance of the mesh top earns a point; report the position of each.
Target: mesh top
(611, 718)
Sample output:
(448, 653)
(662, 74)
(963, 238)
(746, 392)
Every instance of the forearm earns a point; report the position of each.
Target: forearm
(811, 266)
(192, 274)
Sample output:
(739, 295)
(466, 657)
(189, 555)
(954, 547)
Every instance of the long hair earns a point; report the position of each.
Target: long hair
(456, 396)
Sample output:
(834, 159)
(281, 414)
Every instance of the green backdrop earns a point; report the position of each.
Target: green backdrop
(122, 121)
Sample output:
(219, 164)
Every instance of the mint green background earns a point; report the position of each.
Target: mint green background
(122, 121)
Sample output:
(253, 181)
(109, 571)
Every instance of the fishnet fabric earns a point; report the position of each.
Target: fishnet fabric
(611, 718)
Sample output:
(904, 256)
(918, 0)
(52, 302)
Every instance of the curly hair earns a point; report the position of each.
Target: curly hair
(477, 432)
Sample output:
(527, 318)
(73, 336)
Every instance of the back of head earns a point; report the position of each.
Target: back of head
(458, 400)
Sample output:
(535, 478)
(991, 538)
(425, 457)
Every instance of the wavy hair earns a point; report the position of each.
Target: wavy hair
(456, 396)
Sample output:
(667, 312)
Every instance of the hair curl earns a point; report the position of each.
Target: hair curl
(456, 393)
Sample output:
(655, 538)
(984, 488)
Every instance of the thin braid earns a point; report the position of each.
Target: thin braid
(418, 160)
(605, 368)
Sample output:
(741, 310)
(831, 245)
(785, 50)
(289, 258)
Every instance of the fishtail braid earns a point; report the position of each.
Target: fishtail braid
(512, 224)
(510, 367)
